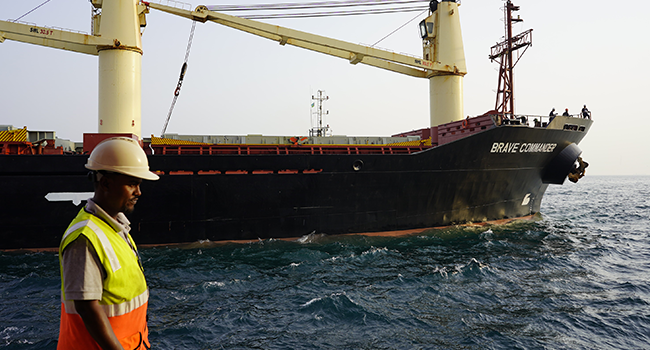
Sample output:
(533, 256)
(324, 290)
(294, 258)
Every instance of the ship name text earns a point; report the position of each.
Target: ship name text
(516, 147)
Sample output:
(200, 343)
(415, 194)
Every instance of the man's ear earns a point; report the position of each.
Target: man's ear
(104, 182)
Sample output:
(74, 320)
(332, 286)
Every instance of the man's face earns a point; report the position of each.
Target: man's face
(123, 192)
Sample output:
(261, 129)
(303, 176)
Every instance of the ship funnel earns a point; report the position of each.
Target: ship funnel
(443, 43)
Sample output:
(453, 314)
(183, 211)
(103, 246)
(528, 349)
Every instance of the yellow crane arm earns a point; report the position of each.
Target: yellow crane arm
(354, 53)
(50, 37)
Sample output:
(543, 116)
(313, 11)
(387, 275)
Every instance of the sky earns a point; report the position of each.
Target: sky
(583, 52)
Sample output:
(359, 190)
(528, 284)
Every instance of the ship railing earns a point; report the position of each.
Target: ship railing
(530, 120)
(251, 149)
(48, 27)
(174, 3)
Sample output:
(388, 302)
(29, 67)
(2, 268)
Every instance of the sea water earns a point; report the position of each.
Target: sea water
(576, 278)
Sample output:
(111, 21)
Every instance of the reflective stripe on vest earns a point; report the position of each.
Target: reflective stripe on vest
(113, 310)
(108, 248)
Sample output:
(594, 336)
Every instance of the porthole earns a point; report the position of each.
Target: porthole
(357, 165)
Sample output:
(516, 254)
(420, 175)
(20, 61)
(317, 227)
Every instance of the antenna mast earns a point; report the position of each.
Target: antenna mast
(319, 129)
(505, 102)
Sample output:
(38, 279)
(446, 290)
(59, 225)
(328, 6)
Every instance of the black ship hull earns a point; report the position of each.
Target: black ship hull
(495, 174)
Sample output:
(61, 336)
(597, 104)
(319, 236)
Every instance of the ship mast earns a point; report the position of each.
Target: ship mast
(319, 130)
(505, 101)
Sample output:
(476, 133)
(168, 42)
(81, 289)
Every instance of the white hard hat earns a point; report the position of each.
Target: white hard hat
(121, 155)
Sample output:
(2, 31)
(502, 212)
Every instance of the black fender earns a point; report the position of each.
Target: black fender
(559, 167)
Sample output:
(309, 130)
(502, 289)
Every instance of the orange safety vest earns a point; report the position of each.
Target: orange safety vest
(125, 294)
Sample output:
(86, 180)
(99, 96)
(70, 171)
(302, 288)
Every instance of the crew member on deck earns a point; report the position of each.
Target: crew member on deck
(585, 112)
(104, 295)
(566, 113)
(552, 115)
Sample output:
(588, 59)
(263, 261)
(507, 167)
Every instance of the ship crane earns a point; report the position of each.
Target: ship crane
(116, 39)
(443, 61)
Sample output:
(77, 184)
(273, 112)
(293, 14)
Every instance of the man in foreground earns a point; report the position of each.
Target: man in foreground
(104, 294)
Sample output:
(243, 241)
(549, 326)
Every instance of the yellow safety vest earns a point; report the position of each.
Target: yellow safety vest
(125, 295)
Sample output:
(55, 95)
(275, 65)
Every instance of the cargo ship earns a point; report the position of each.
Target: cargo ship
(458, 170)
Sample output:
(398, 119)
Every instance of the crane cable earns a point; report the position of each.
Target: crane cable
(402, 26)
(311, 5)
(370, 7)
(334, 13)
(30, 11)
(377, 4)
(180, 79)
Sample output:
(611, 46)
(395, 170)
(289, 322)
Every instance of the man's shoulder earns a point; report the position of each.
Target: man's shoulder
(82, 220)
(86, 225)
(80, 244)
